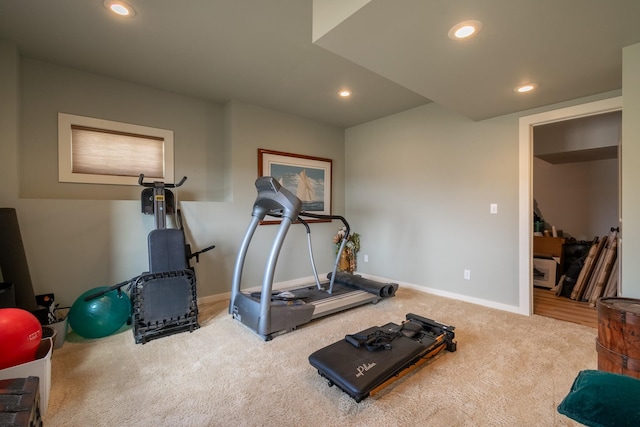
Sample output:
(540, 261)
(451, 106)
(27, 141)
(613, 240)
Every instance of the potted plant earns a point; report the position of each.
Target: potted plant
(351, 249)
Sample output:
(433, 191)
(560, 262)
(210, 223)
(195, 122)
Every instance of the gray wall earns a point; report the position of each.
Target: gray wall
(78, 237)
(9, 101)
(419, 186)
(46, 90)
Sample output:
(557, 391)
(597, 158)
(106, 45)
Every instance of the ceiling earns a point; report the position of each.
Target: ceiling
(393, 55)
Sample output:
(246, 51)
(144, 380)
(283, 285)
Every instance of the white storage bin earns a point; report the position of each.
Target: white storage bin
(40, 367)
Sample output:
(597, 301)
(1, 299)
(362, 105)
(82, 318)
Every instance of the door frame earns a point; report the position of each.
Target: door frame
(525, 179)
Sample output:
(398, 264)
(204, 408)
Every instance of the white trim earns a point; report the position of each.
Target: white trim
(525, 176)
(446, 294)
(291, 284)
(210, 299)
(65, 171)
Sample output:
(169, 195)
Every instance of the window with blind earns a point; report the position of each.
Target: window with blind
(105, 152)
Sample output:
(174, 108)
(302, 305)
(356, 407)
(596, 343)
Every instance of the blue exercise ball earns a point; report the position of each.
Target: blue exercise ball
(101, 316)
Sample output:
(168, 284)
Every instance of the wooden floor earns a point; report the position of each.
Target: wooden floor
(546, 303)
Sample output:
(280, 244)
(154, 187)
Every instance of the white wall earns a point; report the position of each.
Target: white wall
(581, 199)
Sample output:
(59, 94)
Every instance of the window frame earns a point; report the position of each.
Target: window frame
(65, 155)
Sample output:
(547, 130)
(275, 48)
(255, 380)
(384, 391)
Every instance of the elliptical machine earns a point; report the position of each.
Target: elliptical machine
(164, 300)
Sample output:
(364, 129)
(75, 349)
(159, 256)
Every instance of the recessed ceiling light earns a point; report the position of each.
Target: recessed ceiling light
(345, 93)
(120, 8)
(528, 87)
(465, 29)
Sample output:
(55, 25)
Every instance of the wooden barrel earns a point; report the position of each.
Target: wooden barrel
(618, 342)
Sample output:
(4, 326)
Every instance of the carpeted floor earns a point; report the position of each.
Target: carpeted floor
(509, 370)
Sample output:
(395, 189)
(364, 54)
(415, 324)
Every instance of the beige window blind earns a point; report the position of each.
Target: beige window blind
(107, 152)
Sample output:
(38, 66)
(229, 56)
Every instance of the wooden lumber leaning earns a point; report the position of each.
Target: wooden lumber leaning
(611, 290)
(599, 261)
(599, 268)
(610, 255)
(585, 273)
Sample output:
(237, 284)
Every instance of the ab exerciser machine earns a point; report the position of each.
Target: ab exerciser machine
(163, 299)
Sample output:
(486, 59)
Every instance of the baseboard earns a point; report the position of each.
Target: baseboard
(210, 299)
(307, 280)
(452, 295)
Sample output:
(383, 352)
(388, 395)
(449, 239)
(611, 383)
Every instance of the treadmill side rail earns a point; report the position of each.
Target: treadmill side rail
(282, 318)
(344, 302)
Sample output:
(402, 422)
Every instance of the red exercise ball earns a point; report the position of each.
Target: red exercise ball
(20, 335)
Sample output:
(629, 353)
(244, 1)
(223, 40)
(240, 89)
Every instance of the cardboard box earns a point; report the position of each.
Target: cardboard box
(40, 367)
(545, 272)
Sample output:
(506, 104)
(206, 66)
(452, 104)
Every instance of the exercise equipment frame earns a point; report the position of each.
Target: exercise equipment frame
(270, 313)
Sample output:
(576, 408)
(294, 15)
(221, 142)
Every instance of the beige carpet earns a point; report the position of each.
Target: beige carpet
(509, 370)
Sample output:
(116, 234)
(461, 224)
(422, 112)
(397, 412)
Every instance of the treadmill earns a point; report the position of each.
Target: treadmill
(270, 313)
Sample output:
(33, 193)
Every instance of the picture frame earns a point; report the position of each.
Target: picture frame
(545, 272)
(310, 178)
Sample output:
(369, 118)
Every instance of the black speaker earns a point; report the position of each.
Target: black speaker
(13, 261)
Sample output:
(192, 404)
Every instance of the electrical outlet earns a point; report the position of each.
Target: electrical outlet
(366, 258)
(494, 208)
(467, 275)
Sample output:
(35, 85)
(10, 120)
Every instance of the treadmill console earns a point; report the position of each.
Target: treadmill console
(274, 197)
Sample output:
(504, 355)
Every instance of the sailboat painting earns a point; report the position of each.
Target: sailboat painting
(306, 183)
(309, 178)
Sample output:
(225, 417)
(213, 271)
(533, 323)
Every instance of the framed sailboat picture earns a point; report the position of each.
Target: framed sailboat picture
(308, 177)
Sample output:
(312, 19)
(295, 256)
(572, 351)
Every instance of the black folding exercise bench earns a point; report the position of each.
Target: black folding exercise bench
(364, 363)
(164, 300)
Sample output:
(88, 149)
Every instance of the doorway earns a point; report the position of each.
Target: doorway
(526, 156)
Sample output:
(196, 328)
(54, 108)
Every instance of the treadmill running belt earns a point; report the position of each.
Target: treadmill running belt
(307, 294)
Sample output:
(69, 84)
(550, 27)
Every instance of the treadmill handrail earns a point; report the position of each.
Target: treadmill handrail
(342, 244)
